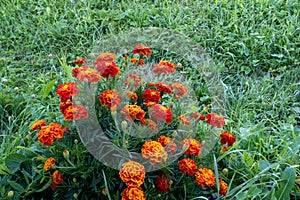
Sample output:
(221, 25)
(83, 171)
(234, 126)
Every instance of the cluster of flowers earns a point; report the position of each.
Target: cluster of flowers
(148, 113)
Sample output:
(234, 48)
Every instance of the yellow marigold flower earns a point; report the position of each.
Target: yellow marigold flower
(49, 163)
(132, 173)
(155, 151)
(133, 193)
(38, 124)
(205, 177)
(223, 188)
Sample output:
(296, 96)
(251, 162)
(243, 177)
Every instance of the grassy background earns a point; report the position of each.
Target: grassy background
(255, 45)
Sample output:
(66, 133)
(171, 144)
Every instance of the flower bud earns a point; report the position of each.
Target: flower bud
(75, 195)
(124, 125)
(225, 171)
(174, 134)
(10, 194)
(74, 180)
(66, 154)
(179, 65)
(75, 141)
(171, 104)
(104, 191)
(298, 181)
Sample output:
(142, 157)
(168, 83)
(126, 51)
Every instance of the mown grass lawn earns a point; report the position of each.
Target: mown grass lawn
(254, 44)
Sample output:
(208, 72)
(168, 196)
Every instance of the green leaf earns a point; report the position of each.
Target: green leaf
(13, 162)
(4, 170)
(66, 68)
(247, 159)
(46, 89)
(16, 186)
(47, 185)
(286, 186)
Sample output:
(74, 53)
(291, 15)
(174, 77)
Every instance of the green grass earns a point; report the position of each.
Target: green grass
(254, 44)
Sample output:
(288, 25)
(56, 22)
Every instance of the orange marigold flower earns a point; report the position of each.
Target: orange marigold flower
(75, 113)
(38, 124)
(227, 137)
(215, 120)
(155, 151)
(205, 177)
(150, 123)
(125, 57)
(64, 105)
(133, 112)
(162, 183)
(132, 173)
(88, 73)
(184, 120)
(56, 130)
(66, 91)
(225, 148)
(134, 60)
(161, 87)
(133, 80)
(223, 188)
(132, 95)
(105, 57)
(133, 193)
(179, 89)
(193, 145)
(164, 67)
(108, 69)
(79, 61)
(162, 113)
(168, 143)
(151, 97)
(45, 136)
(49, 163)
(187, 166)
(143, 50)
(56, 179)
(110, 98)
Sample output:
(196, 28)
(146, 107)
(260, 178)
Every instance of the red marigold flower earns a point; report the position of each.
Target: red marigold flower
(150, 123)
(184, 120)
(205, 177)
(133, 193)
(223, 188)
(132, 95)
(56, 179)
(162, 113)
(110, 98)
(162, 183)
(45, 136)
(49, 163)
(225, 148)
(187, 166)
(155, 151)
(141, 62)
(151, 97)
(125, 57)
(108, 69)
(66, 91)
(227, 137)
(75, 112)
(132, 173)
(193, 145)
(64, 105)
(133, 80)
(143, 50)
(215, 120)
(133, 112)
(56, 130)
(38, 124)
(168, 143)
(161, 87)
(105, 57)
(164, 67)
(197, 115)
(179, 89)
(88, 73)
(79, 61)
